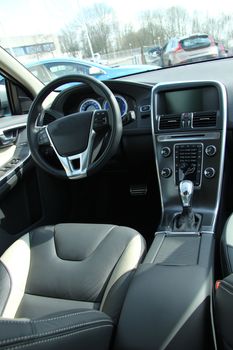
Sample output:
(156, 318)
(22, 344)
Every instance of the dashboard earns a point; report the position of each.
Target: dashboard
(174, 105)
(130, 97)
(187, 121)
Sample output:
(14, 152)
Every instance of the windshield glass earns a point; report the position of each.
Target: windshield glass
(113, 38)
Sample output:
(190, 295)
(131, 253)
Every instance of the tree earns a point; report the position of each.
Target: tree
(69, 41)
(99, 22)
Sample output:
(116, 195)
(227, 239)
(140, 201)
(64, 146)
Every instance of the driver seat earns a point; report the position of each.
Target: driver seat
(63, 286)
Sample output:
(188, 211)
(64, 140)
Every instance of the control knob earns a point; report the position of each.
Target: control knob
(165, 152)
(210, 150)
(209, 173)
(166, 172)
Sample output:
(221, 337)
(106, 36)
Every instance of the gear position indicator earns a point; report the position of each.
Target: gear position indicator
(188, 162)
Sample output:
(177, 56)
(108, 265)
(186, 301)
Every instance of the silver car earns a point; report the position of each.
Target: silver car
(188, 49)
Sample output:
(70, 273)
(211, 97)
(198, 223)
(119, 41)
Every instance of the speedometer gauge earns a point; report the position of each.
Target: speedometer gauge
(121, 102)
(89, 105)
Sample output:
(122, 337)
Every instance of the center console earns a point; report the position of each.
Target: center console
(189, 126)
(168, 304)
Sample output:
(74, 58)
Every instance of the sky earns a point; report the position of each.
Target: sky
(28, 17)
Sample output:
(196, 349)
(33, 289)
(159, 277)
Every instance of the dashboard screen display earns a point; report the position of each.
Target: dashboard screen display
(190, 100)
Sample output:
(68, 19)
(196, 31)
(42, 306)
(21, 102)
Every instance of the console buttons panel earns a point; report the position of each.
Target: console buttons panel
(165, 152)
(209, 173)
(188, 163)
(166, 172)
(210, 150)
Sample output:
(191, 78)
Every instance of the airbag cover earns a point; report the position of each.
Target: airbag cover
(70, 134)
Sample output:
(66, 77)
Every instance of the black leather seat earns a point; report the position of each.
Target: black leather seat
(63, 286)
(227, 247)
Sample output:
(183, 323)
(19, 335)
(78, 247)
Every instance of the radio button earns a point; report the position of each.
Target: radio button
(210, 150)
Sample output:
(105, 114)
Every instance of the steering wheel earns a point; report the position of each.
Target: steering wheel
(84, 141)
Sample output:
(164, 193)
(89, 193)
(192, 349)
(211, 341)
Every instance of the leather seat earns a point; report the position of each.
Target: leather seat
(227, 247)
(63, 286)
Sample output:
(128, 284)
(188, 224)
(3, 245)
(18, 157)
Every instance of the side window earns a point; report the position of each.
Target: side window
(14, 100)
(4, 104)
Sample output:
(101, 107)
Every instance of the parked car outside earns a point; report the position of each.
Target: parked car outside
(188, 49)
(47, 70)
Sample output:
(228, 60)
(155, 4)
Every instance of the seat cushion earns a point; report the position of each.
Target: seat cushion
(78, 329)
(71, 265)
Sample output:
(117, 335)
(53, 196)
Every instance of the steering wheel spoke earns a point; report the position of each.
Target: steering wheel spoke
(76, 165)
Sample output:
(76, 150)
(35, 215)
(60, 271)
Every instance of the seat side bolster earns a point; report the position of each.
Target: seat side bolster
(223, 311)
(227, 247)
(118, 283)
(16, 259)
(84, 329)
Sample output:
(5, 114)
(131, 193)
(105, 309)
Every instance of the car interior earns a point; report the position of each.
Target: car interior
(116, 224)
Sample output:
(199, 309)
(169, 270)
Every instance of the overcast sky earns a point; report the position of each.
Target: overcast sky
(26, 17)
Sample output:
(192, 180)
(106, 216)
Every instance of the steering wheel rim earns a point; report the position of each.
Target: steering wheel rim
(36, 132)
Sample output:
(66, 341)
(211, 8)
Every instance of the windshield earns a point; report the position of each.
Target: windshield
(113, 38)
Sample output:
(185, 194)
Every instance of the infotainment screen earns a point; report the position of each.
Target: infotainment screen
(190, 100)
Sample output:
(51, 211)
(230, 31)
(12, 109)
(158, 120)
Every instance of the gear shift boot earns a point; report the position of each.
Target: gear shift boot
(187, 221)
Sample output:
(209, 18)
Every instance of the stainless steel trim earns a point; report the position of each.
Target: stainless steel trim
(154, 103)
(154, 117)
(11, 127)
(83, 157)
(198, 137)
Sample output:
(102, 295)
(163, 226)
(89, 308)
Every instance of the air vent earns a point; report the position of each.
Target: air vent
(169, 121)
(204, 119)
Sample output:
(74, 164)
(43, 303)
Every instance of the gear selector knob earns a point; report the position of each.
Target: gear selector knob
(186, 192)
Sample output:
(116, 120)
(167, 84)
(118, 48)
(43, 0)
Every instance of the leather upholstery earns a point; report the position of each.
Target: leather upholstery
(79, 272)
(227, 247)
(223, 311)
(80, 329)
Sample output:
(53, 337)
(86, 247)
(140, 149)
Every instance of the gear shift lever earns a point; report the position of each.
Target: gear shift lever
(186, 192)
(187, 221)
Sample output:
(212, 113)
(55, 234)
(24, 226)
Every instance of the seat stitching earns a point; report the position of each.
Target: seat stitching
(5, 341)
(55, 338)
(50, 319)
(226, 290)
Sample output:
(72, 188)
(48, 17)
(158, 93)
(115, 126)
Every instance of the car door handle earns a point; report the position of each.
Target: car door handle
(6, 141)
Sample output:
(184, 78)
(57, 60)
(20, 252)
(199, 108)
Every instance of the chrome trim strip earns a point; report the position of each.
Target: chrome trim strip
(197, 137)
(11, 127)
(154, 117)
(223, 146)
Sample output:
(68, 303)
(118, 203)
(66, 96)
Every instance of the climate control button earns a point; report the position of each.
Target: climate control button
(209, 173)
(210, 150)
(165, 152)
(166, 172)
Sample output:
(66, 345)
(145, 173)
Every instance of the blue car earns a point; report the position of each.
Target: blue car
(47, 70)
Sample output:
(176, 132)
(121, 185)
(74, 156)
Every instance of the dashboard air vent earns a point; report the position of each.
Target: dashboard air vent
(169, 121)
(204, 119)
